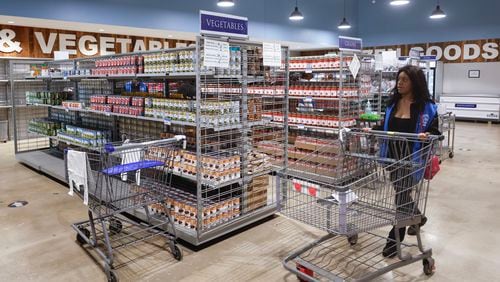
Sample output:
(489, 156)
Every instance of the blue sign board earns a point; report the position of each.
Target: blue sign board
(469, 106)
(223, 24)
(350, 43)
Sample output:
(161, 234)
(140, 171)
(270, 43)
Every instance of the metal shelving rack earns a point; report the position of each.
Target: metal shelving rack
(306, 156)
(216, 203)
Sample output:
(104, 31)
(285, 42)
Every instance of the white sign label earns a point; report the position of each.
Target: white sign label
(7, 43)
(272, 54)
(216, 54)
(354, 66)
(61, 55)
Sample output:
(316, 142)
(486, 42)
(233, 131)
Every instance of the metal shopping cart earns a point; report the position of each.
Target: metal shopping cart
(390, 191)
(122, 179)
(447, 129)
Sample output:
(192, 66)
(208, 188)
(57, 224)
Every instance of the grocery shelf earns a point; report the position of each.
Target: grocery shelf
(316, 70)
(176, 122)
(315, 128)
(4, 80)
(58, 139)
(222, 144)
(318, 98)
(46, 163)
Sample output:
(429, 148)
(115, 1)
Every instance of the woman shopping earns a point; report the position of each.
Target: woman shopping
(410, 110)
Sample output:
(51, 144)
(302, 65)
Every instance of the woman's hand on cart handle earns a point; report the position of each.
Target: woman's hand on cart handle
(423, 136)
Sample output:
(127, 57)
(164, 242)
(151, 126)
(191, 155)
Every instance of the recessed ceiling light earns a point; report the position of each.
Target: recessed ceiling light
(225, 3)
(10, 22)
(170, 36)
(399, 2)
(101, 30)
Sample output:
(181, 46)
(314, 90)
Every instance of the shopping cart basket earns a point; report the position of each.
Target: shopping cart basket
(380, 183)
(123, 179)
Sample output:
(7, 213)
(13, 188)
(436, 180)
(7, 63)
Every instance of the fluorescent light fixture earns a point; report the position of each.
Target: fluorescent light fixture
(344, 24)
(399, 2)
(10, 22)
(225, 3)
(438, 13)
(101, 30)
(296, 15)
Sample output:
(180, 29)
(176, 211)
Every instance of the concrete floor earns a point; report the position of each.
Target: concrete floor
(38, 244)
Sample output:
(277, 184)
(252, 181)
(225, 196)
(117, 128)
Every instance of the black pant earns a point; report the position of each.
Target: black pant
(403, 180)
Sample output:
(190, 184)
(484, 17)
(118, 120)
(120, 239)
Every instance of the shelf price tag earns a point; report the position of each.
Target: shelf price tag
(309, 68)
(300, 126)
(167, 121)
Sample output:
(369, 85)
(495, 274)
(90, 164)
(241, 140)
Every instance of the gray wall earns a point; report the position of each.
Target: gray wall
(456, 81)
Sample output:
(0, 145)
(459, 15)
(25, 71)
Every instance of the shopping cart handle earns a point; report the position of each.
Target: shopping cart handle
(397, 134)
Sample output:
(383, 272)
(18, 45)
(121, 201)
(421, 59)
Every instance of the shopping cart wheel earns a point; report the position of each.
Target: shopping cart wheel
(111, 275)
(451, 155)
(429, 266)
(79, 238)
(176, 252)
(353, 240)
(115, 226)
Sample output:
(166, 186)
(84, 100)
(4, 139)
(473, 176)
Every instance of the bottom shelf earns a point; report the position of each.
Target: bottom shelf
(44, 162)
(53, 166)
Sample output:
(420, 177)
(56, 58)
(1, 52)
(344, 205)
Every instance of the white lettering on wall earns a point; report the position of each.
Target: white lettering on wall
(476, 51)
(48, 46)
(92, 47)
(434, 51)
(124, 42)
(105, 44)
(139, 46)
(490, 51)
(447, 52)
(155, 45)
(67, 40)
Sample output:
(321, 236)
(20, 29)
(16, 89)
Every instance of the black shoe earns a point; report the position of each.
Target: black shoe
(390, 250)
(412, 230)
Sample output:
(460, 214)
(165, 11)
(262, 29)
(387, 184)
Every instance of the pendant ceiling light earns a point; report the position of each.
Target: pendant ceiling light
(344, 24)
(296, 15)
(225, 3)
(438, 13)
(399, 2)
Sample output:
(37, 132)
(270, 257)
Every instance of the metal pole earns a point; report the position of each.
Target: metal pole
(199, 223)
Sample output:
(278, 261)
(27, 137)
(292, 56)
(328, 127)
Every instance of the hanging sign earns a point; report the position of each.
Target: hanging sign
(414, 53)
(216, 54)
(271, 54)
(354, 66)
(350, 43)
(223, 24)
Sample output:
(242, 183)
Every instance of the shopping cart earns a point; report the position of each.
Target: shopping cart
(123, 179)
(381, 183)
(447, 129)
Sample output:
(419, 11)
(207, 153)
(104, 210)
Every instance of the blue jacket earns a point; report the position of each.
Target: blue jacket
(424, 122)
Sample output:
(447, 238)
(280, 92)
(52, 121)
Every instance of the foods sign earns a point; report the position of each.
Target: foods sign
(450, 52)
(16, 41)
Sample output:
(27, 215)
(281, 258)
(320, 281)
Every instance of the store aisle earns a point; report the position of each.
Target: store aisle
(38, 243)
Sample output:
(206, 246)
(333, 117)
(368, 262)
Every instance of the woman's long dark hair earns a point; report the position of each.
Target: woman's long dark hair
(418, 84)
